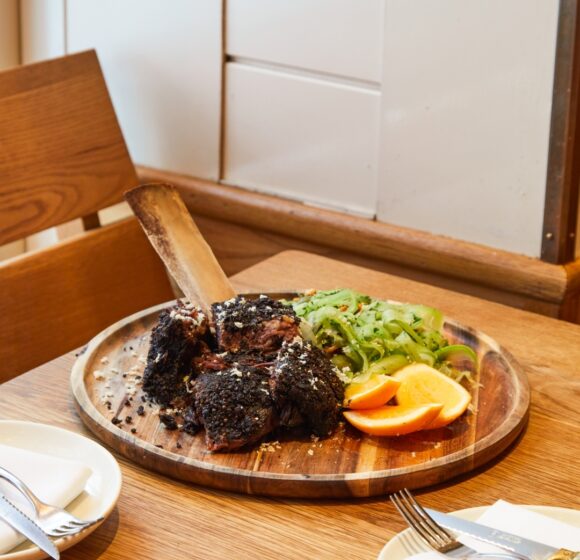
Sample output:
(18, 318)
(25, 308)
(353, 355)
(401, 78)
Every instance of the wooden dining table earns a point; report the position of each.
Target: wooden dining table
(158, 517)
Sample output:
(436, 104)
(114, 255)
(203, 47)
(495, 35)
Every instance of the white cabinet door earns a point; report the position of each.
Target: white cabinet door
(42, 29)
(340, 37)
(301, 138)
(162, 63)
(466, 118)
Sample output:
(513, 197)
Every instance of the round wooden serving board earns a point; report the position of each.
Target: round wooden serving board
(347, 464)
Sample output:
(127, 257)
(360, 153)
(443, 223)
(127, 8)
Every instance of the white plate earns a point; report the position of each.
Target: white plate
(407, 544)
(101, 491)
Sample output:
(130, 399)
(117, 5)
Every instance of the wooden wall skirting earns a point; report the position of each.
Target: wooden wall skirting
(244, 227)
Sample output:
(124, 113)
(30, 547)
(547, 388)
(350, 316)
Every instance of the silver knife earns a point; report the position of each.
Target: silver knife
(25, 526)
(508, 541)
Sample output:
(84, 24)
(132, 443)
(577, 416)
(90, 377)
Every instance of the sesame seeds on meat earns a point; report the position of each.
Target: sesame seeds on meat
(262, 324)
(240, 376)
(305, 386)
(180, 332)
(233, 406)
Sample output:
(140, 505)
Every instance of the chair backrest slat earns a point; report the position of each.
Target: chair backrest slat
(57, 299)
(62, 152)
(63, 156)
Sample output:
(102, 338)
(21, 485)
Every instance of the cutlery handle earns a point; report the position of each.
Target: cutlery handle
(19, 485)
(564, 554)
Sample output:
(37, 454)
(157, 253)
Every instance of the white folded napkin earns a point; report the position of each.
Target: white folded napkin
(522, 522)
(54, 480)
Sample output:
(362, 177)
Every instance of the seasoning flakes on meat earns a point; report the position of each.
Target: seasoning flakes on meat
(305, 388)
(254, 375)
(234, 406)
(177, 337)
(261, 324)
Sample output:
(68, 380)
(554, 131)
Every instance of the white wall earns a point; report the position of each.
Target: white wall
(302, 100)
(465, 91)
(337, 37)
(430, 114)
(466, 118)
(42, 28)
(162, 63)
(302, 138)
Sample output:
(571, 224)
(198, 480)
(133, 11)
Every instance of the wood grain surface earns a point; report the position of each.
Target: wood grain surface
(62, 157)
(106, 384)
(244, 227)
(63, 153)
(160, 517)
(53, 301)
(562, 181)
(238, 247)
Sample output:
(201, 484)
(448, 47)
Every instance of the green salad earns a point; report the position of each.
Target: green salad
(365, 336)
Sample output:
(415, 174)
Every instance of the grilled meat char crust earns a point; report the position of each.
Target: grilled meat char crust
(234, 405)
(305, 388)
(262, 324)
(263, 376)
(178, 336)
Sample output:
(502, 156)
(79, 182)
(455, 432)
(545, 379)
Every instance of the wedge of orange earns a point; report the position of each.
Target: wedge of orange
(393, 420)
(421, 384)
(372, 393)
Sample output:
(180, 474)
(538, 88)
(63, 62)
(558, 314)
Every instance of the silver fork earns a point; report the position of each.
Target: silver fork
(54, 521)
(432, 534)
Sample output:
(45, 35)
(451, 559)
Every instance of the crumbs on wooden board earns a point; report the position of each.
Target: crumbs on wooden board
(269, 446)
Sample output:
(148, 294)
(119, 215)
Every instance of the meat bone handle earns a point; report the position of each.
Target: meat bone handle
(174, 235)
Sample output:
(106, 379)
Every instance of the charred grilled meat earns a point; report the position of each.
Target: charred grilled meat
(305, 388)
(234, 406)
(176, 339)
(263, 375)
(260, 325)
(209, 361)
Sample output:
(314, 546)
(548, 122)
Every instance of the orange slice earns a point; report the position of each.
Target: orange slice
(421, 384)
(393, 420)
(372, 393)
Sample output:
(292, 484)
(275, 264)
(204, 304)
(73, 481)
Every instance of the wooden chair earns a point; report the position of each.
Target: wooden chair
(62, 157)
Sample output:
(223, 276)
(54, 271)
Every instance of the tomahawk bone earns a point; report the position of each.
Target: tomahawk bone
(178, 241)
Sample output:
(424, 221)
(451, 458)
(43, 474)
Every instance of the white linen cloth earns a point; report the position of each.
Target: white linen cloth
(522, 522)
(54, 480)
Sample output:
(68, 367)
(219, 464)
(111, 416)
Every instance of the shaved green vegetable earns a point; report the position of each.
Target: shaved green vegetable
(365, 336)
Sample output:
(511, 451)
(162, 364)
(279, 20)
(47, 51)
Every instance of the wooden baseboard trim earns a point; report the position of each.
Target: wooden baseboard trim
(469, 262)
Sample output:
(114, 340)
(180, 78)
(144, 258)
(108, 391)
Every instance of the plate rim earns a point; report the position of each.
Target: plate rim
(64, 543)
(461, 513)
(512, 425)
